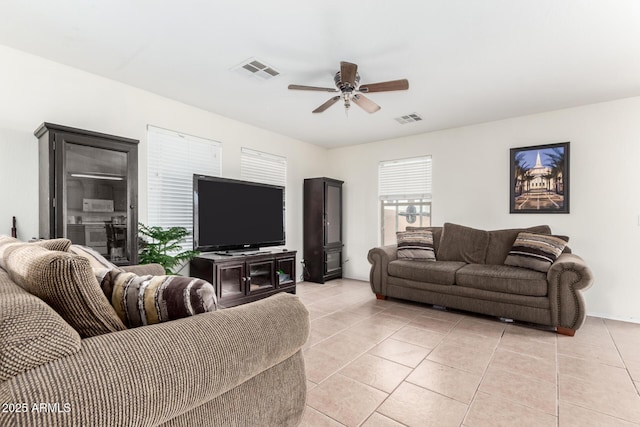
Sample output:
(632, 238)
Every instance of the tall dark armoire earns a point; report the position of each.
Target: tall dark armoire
(89, 190)
(322, 247)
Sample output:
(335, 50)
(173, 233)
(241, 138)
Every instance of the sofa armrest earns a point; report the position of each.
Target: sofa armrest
(380, 258)
(151, 374)
(145, 269)
(568, 277)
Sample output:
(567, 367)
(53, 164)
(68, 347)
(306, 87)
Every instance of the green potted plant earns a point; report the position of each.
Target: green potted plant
(161, 245)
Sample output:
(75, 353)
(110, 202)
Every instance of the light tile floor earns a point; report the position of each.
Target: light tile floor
(394, 363)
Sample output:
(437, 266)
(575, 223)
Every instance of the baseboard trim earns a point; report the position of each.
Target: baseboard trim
(618, 318)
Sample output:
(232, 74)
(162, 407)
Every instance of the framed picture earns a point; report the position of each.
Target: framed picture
(539, 179)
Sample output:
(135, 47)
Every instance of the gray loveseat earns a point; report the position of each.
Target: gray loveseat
(469, 274)
(241, 366)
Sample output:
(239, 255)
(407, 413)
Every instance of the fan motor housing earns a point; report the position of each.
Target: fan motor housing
(346, 86)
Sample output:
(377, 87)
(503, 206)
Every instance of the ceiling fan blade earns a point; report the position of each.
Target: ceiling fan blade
(365, 103)
(326, 105)
(348, 72)
(402, 84)
(316, 88)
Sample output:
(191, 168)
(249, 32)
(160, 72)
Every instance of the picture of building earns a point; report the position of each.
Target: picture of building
(540, 178)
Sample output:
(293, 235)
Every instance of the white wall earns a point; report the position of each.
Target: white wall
(34, 90)
(471, 187)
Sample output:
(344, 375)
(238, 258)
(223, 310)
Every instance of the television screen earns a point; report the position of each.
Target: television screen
(231, 214)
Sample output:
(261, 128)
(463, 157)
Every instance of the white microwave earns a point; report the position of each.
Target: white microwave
(97, 205)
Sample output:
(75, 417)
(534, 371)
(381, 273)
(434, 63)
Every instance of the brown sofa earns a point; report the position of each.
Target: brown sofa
(239, 366)
(469, 274)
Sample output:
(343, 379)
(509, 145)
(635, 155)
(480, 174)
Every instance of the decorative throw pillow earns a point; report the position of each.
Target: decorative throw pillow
(535, 251)
(145, 300)
(100, 265)
(436, 231)
(60, 244)
(501, 241)
(66, 283)
(416, 245)
(95, 258)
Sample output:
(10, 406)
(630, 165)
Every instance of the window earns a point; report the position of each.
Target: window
(265, 168)
(173, 158)
(404, 188)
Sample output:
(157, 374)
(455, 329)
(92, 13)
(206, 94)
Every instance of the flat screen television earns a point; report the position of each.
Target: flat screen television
(232, 215)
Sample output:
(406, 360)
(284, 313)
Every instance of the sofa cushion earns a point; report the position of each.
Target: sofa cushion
(66, 282)
(535, 251)
(503, 278)
(438, 272)
(465, 244)
(500, 242)
(436, 231)
(31, 332)
(415, 245)
(145, 300)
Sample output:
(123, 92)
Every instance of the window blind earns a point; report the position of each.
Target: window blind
(405, 179)
(265, 168)
(173, 158)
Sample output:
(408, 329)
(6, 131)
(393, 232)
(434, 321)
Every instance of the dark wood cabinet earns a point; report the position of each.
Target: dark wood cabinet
(89, 190)
(239, 279)
(322, 244)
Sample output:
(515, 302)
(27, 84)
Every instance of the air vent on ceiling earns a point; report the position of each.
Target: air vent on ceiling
(253, 67)
(409, 118)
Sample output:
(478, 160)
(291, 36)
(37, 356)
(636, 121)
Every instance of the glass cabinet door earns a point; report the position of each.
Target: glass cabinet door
(286, 271)
(231, 281)
(261, 275)
(333, 261)
(333, 226)
(95, 207)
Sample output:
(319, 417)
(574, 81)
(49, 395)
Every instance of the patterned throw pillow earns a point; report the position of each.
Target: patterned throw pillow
(415, 245)
(535, 251)
(145, 300)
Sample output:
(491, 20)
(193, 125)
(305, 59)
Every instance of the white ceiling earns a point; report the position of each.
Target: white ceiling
(467, 61)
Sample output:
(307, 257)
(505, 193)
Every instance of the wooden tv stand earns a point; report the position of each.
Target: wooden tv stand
(242, 278)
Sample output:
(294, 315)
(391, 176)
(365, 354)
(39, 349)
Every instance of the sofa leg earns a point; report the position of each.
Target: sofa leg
(565, 331)
(380, 296)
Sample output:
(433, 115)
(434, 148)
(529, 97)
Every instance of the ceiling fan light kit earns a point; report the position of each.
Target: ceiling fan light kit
(347, 82)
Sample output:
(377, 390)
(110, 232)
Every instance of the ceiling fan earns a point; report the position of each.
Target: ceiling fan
(347, 82)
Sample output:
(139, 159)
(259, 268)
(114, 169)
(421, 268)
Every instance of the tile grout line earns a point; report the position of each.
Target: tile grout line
(624, 362)
(405, 378)
(484, 372)
(360, 355)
